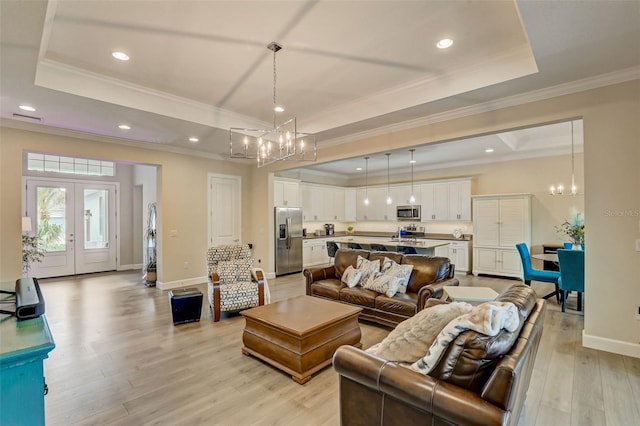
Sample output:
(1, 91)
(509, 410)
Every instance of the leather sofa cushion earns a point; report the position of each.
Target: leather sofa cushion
(471, 357)
(359, 296)
(396, 257)
(403, 304)
(426, 269)
(328, 288)
(346, 257)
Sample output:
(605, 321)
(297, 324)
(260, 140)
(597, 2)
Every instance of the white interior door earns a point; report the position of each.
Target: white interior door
(76, 226)
(225, 215)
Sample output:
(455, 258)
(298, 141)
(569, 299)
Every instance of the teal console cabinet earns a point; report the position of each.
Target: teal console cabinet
(23, 347)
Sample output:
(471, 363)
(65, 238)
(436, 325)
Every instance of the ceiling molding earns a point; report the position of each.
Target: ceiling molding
(628, 74)
(78, 134)
(76, 81)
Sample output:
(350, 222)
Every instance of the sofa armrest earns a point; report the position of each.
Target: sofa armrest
(317, 274)
(431, 397)
(434, 291)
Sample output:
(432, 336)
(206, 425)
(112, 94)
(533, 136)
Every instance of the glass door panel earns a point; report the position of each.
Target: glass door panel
(96, 223)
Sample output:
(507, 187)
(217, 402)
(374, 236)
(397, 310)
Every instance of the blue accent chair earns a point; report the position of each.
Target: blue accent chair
(571, 274)
(406, 250)
(568, 245)
(378, 247)
(531, 274)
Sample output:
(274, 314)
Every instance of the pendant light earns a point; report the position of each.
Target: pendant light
(389, 200)
(559, 188)
(366, 180)
(412, 199)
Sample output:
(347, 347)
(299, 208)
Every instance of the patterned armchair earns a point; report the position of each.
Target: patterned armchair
(234, 284)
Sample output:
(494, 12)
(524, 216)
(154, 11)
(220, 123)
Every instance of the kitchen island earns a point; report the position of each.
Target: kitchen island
(422, 246)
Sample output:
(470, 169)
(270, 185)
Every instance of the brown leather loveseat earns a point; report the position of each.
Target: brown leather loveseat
(429, 275)
(479, 380)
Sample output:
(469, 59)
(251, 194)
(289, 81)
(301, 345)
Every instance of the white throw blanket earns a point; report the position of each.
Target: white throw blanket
(488, 318)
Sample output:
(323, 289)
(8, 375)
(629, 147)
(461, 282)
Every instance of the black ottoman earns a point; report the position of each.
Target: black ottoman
(186, 305)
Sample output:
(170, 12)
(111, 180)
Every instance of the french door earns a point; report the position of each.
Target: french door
(75, 223)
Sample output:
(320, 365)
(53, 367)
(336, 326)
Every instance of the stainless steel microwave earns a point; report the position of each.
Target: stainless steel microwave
(408, 213)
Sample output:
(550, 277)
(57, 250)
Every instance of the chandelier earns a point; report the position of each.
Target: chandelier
(282, 142)
(559, 188)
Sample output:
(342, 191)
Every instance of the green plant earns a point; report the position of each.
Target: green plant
(349, 228)
(573, 228)
(31, 252)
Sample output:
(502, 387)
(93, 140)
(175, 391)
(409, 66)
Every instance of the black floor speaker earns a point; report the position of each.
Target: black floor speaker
(186, 305)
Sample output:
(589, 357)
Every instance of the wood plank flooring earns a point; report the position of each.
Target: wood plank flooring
(120, 361)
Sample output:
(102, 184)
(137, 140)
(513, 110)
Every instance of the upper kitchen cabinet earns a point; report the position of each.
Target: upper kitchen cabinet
(460, 200)
(323, 203)
(350, 198)
(434, 199)
(377, 209)
(286, 192)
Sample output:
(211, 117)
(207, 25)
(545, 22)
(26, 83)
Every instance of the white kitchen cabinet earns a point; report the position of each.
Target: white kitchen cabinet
(400, 196)
(286, 192)
(322, 203)
(459, 254)
(350, 197)
(442, 251)
(308, 203)
(434, 199)
(314, 252)
(377, 209)
(499, 223)
(460, 200)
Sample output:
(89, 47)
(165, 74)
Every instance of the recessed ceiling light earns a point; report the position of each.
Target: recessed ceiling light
(27, 108)
(194, 140)
(444, 43)
(358, 168)
(124, 127)
(121, 56)
(489, 150)
(278, 109)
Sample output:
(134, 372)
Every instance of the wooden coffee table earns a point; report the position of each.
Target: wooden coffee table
(301, 334)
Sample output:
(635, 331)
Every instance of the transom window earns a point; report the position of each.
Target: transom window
(71, 165)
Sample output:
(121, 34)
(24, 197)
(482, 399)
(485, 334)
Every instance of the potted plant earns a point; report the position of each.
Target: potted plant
(349, 229)
(31, 252)
(574, 229)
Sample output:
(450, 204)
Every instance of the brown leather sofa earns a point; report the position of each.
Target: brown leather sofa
(428, 277)
(479, 380)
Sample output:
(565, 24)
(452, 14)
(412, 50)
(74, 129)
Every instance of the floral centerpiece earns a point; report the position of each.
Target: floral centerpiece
(574, 229)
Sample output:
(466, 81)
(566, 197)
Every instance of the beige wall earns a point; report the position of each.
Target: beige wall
(612, 198)
(180, 209)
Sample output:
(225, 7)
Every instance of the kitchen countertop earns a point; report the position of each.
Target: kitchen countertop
(448, 237)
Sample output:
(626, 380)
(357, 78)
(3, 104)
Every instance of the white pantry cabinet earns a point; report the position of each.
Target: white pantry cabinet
(499, 223)
(286, 192)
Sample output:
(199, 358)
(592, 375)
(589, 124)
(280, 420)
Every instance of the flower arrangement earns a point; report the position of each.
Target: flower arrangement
(573, 228)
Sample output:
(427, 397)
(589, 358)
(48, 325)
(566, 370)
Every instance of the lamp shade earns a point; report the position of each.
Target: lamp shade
(26, 224)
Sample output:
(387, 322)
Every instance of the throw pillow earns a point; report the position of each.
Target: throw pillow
(403, 272)
(382, 283)
(411, 339)
(367, 267)
(351, 276)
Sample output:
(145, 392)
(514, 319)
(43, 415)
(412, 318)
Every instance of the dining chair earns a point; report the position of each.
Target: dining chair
(354, 246)
(571, 274)
(406, 250)
(332, 248)
(568, 245)
(531, 274)
(378, 247)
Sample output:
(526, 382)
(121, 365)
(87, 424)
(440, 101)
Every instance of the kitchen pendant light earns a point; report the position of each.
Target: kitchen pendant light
(412, 199)
(559, 188)
(389, 200)
(366, 180)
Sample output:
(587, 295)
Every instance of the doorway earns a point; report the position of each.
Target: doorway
(76, 225)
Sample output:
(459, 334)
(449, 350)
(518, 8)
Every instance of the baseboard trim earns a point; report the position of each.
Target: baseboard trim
(609, 345)
(270, 275)
(129, 267)
(180, 283)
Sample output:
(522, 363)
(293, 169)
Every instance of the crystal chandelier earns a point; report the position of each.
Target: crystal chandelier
(282, 142)
(559, 188)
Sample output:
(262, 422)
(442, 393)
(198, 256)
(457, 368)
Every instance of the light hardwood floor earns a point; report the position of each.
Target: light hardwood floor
(119, 360)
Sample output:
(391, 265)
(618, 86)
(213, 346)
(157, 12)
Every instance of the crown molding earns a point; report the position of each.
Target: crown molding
(78, 134)
(627, 74)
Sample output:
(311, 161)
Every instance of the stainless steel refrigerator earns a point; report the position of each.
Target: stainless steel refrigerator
(288, 233)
